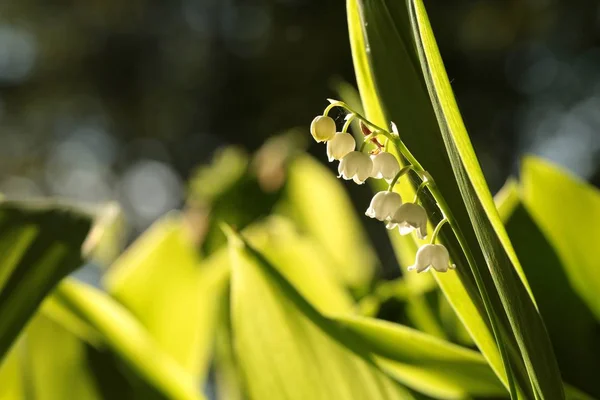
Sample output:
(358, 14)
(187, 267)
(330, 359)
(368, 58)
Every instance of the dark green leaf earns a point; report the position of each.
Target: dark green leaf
(40, 243)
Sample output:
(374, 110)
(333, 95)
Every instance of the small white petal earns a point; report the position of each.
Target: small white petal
(440, 258)
(432, 255)
(340, 145)
(322, 128)
(384, 205)
(385, 166)
(356, 166)
(410, 217)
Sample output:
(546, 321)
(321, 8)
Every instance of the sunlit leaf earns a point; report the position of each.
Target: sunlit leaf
(318, 202)
(307, 356)
(11, 373)
(154, 374)
(304, 264)
(503, 264)
(162, 281)
(568, 212)
(426, 363)
(377, 105)
(40, 243)
(56, 364)
(397, 34)
(565, 314)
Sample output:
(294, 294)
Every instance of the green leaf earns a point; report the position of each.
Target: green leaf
(418, 97)
(425, 363)
(320, 206)
(55, 362)
(567, 210)
(40, 243)
(503, 264)
(459, 292)
(228, 380)
(305, 264)
(162, 282)
(306, 355)
(566, 316)
(11, 373)
(154, 374)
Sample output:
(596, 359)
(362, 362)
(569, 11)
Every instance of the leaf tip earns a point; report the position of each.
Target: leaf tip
(233, 236)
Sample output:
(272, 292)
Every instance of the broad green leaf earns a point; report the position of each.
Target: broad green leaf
(306, 355)
(154, 373)
(418, 97)
(376, 105)
(40, 243)
(303, 263)
(162, 281)
(55, 362)
(524, 318)
(12, 380)
(565, 314)
(228, 380)
(426, 363)
(568, 212)
(319, 204)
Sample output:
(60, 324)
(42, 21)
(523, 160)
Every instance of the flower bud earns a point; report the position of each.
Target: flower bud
(407, 218)
(384, 205)
(432, 255)
(385, 166)
(356, 166)
(322, 128)
(340, 145)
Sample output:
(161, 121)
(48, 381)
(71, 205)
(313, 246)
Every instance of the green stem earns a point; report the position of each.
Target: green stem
(335, 103)
(348, 122)
(419, 190)
(437, 230)
(402, 171)
(367, 139)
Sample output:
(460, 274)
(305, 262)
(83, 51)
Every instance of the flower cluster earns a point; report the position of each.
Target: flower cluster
(386, 206)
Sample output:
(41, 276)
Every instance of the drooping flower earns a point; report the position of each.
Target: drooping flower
(340, 145)
(384, 205)
(322, 128)
(356, 166)
(409, 217)
(385, 166)
(432, 256)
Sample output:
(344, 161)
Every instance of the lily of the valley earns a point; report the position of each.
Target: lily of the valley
(432, 256)
(340, 145)
(322, 128)
(385, 166)
(356, 166)
(384, 205)
(409, 217)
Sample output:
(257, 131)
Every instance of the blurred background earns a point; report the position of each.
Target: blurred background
(106, 100)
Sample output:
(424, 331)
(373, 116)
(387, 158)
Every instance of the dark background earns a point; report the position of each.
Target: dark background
(121, 100)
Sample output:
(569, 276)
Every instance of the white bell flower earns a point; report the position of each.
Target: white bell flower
(322, 128)
(340, 145)
(409, 217)
(385, 166)
(432, 255)
(384, 205)
(356, 166)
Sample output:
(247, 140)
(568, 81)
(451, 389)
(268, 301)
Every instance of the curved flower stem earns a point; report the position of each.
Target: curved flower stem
(437, 229)
(348, 122)
(402, 171)
(341, 104)
(366, 140)
(449, 217)
(420, 189)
